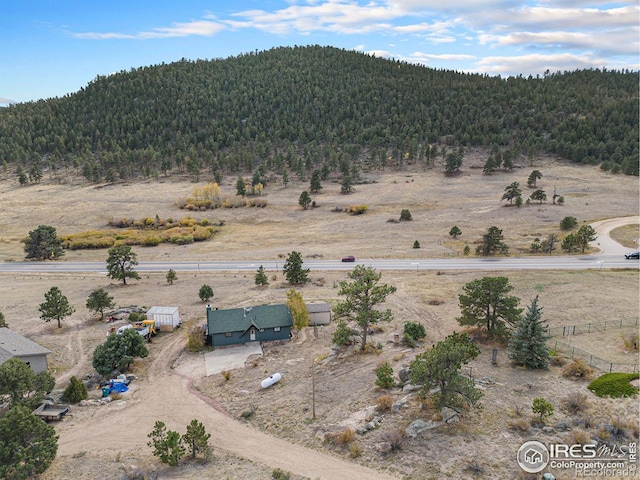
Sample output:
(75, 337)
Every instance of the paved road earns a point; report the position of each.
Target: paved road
(611, 256)
(573, 262)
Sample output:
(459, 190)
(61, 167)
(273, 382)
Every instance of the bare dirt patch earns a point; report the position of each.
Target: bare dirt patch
(96, 441)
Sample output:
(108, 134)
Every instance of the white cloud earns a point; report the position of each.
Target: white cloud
(535, 64)
(197, 27)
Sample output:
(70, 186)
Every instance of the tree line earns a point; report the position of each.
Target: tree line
(298, 109)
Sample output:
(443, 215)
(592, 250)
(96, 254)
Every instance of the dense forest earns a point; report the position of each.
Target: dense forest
(304, 107)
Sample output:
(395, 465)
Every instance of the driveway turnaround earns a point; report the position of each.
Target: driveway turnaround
(228, 358)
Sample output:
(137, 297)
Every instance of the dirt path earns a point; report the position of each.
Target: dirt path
(128, 422)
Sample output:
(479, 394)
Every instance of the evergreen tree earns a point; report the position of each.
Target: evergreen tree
(346, 186)
(119, 351)
(120, 263)
(166, 444)
(492, 243)
(27, 444)
(455, 232)
(43, 244)
(196, 439)
(293, 271)
(533, 178)
(486, 304)
(241, 189)
(316, 183)
(527, 345)
(261, 277)
(99, 300)
(305, 200)
(511, 192)
(55, 306)
(584, 235)
(172, 276)
(205, 293)
(362, 296)
(440, 368)
(75, 391)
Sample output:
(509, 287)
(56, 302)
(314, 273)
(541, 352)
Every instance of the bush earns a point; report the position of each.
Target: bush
(346, 437)
(342, 334)
(615, 385)
(580, 437)
(278, 474)
(542, 408)
(416, 244)
(75, 391)
(630, 341)
(357, 209)
(355, 451)
(384, 403)
(394, 438)
(577, 368)
(195, 338)
(575, 402)
(405, 215)
(519, 425)
(415, 330)
(408, 341)
(384, 374)
(567, 223)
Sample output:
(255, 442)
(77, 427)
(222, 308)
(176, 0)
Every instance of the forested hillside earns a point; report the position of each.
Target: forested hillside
(298, 108)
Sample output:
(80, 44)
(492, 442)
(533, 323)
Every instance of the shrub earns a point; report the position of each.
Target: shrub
(567, 223)
(519, 425)
(75, 391)
(278, 474)
(615, 385)
(249, 413)
(542, 408)
(394, 438)
(384, 402)
(355, 451)
(579, 436)
(345, 437)
(415, 330)
(575, 402)
(630, 341)
(556, 360)
(405, 215)
(408, 341)
(577, 368)
(137, 317)
(195, 338)
(384, 374)
(226, 374)
(342, 334)
(357, 209)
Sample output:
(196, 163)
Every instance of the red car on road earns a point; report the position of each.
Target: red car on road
(349, 258)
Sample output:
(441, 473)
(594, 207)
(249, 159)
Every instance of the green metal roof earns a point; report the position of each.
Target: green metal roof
(241, 319)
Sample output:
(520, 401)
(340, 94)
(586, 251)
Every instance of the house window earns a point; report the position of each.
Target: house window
(262, 329)
(228, 334)
(276, 329)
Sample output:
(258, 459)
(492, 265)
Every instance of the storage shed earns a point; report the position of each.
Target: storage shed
(15, 345)
(250, 324)
(319, 313)
(166, 318)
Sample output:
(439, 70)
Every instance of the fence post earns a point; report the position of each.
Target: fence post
(563, 329)
(610, 367)
(589, 329)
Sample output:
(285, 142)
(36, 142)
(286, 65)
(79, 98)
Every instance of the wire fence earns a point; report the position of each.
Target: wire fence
(570, 330)
(604, 366)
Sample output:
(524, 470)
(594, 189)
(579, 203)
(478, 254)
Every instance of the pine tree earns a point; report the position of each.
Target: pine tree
(261, 277)
(527, 346)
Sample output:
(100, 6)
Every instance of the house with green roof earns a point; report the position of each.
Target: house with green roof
(264, 323)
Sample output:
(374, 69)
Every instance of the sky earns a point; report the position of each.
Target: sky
(51, 48)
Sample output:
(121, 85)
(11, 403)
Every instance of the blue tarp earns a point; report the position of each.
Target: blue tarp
(117, 387)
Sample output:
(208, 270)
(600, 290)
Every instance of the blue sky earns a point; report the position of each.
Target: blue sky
(54, 47)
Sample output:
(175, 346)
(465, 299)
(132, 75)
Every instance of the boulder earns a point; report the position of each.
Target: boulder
(408, 388)
(419, 426)
(449, 415)
(399, 404)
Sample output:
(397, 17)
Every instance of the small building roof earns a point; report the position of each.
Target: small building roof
(318, 307)
(15, 345)
(162, 310)
(241, 319)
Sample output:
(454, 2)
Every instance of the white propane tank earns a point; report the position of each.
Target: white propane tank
(267, 382)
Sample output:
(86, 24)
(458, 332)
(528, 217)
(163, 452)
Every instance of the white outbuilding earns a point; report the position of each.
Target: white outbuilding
(165, 318)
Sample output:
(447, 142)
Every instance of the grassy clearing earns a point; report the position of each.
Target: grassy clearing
(627, 235)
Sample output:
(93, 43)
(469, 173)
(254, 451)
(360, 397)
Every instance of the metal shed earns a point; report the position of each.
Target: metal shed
(166, 318)
(319, 313)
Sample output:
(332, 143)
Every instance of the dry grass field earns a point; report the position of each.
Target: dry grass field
(95, 442)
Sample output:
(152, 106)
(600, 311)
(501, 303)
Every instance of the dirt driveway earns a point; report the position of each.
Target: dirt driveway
(167, 395)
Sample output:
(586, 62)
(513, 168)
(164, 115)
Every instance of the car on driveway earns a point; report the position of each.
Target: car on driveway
(632, 256)
(349, 258)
